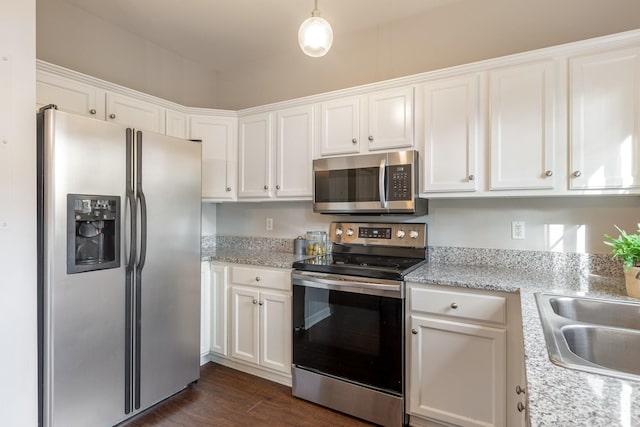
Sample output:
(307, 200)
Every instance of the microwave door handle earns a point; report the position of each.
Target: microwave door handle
(381, 180)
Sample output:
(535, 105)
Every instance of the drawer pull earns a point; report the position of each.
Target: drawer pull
(355, 141)
(414, 332)
(257, 278)
(93, 111)
(261, 303)
(454, 305)
(255, 301)
(521, 407)
(112, 116)
(519, 390)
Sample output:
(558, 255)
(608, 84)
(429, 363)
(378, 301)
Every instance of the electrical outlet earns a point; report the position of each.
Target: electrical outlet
(269, 224)
(517, 230)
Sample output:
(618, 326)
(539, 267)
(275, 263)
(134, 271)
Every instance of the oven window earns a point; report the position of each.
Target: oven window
(347, 185)
(351, 336)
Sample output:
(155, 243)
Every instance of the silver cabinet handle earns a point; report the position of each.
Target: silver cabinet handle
(577, 174)
(266, 187)
(112, 116)
(355, 141)
(370, 138)
(257, 278)
(277, 187)
(414, 332)
(521, 407)
(92, 111)
(472, 177)
(228, 188)
(454, 305)
(549, 173)
(255, 301)
(519, 390)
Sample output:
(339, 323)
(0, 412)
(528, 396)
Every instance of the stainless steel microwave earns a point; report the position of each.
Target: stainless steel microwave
(384, 183)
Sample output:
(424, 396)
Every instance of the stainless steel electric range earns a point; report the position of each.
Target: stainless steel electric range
(349, 317)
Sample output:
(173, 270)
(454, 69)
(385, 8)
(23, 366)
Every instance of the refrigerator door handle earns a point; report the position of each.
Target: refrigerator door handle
(142, 203)
(129, 335)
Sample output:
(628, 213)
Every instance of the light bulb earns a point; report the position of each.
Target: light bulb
(315, 36)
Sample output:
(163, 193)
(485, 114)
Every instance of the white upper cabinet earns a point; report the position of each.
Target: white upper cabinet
(255, 156)
(340, 126)
(177, 124)
(451, 134)
(390, 119)
(276, 170)
(605, 114)
(522, 101)
(69, 95)
(218, 136)
(133, 112)
(358, 124)
(294, 145)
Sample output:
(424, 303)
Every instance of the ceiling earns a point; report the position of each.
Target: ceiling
(222, 34)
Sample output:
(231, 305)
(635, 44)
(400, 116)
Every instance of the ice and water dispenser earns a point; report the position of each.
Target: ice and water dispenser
(93, 232)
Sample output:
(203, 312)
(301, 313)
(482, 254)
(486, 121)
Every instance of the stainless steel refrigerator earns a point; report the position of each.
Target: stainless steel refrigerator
(118, 268)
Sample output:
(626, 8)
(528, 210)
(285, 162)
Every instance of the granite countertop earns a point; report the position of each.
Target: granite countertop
(556, 396)
(261, 258)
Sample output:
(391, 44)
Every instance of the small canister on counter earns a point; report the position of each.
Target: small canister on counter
(299, 245)
(316, 243)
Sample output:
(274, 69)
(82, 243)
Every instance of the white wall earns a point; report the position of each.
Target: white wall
(18, 363)
(459, 33)
(560, 224)
(69, 37)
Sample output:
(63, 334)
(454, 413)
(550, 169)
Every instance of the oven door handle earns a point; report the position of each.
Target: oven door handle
(391, 289)
(382, 175)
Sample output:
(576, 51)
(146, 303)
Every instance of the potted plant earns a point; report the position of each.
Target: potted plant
(627, 249)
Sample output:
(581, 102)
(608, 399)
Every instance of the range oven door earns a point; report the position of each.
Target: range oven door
(350, 329)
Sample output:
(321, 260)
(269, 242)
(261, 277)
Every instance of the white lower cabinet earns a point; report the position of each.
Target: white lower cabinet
(466, 358)
(251, 313)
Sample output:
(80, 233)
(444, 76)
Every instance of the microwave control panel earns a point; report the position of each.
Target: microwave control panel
(400, 187)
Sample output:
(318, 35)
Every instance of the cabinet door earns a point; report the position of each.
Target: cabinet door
(294, 145)
(135, 113)
(340, 132)
(205, 310)
(458, 372)
(391, 119)
(451, 118)
(275, 331)
(69, 95)
(218, 136)
(605, 110)
(522, 104)
(255, 152)
(176, 124)
(219, 304)
(244, 324)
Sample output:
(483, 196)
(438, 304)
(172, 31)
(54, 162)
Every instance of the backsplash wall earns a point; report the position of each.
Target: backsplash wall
(561, 224)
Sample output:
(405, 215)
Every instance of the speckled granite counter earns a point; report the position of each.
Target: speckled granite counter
(262, 258)
(557, 396)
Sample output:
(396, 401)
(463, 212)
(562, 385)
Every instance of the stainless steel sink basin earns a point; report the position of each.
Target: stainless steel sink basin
(597, 311)
(591, 334)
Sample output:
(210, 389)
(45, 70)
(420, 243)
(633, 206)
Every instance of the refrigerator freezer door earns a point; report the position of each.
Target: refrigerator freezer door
(83, 313)
(169, 286)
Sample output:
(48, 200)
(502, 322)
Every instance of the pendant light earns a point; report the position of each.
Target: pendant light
(315, 35)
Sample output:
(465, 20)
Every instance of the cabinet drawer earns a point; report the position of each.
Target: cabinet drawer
(488, 308)
(276, 279)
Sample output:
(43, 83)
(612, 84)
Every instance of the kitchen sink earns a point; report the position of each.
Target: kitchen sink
(597, 311)
(591, 334)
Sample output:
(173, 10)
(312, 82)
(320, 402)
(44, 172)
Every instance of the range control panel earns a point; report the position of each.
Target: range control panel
(405, 234)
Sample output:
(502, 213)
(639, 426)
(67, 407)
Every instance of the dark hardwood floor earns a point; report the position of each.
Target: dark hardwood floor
(226, 397)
